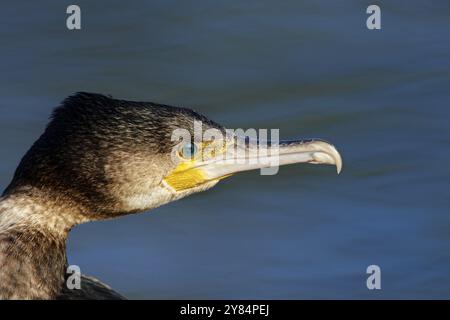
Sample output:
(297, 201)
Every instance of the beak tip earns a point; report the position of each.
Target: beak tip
(338, 161)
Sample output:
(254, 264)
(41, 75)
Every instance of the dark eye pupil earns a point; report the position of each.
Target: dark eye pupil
(189, 150)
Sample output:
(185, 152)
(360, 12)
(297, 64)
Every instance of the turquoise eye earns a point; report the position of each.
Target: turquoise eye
(189, 150)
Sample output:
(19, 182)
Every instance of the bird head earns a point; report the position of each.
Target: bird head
(114, 157)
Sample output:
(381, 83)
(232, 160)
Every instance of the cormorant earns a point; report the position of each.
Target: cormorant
(102, 158)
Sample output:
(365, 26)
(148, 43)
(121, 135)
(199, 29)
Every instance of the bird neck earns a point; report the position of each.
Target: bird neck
(33, 233)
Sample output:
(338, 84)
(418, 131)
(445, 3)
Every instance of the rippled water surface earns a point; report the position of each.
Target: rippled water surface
(310, 68)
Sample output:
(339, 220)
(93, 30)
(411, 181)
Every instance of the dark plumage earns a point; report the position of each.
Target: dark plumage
(85, 132)
(75, 170)
(101, 158)
(90, 289)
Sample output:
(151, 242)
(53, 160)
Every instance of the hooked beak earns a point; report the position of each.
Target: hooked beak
(250, 156)
(242, 155)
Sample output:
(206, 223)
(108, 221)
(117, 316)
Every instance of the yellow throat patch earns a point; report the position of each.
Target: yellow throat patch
(185, 176)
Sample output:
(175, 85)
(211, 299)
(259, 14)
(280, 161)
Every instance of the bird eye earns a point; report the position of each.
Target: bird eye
(189, 150)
